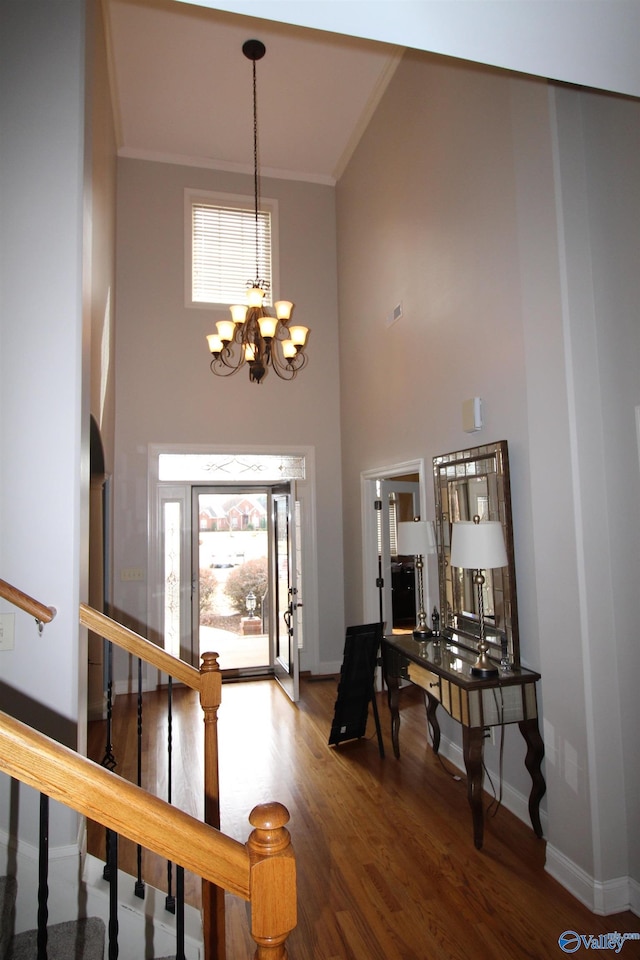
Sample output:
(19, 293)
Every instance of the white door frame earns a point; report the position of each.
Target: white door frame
(305, 494)
(368, 478)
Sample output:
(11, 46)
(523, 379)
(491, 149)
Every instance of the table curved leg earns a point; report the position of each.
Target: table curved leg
(432, 705)
(533, 762)
(472, 748)
(393, 688)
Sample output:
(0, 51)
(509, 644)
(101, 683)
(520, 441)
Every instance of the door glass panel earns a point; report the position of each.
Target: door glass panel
(232, 583)
(172, 528)
(287, 598)
(230, 468)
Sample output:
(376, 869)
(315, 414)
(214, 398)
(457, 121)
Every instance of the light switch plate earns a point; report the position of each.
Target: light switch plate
(7, 630)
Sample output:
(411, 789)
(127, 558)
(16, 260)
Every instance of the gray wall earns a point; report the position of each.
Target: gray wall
(166, 393)
(463, 201)
(43, 418)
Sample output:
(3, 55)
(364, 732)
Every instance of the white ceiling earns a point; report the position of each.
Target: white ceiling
(183, 89)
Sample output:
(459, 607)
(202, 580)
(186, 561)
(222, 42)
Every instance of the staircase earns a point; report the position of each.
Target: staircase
(260, 871)
(73, 940)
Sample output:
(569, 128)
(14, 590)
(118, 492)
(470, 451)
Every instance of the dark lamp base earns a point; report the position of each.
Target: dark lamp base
(484, 671)
(422, 634)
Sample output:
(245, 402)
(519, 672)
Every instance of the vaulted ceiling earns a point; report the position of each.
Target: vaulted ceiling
(183, 89)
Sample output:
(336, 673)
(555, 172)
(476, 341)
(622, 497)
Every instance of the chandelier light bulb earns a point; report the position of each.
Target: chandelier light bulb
(238, 312)
(215, 343)
(289, 349)
(298, 335)
(283, 309)
(255, 297)
(226, 330)
(268, 327)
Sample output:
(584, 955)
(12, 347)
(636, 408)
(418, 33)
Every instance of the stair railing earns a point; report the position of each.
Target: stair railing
(207, 681)
(40, 611)
(261, 871)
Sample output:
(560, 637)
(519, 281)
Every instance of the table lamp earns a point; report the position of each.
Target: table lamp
(416, 538)
(479, 545)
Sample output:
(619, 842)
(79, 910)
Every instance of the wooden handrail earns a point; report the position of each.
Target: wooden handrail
(103, 796)
(207, 681)
(139, 646)
(40, 611)
(262, 870)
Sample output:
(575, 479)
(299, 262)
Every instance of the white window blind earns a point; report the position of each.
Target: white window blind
(223, 252)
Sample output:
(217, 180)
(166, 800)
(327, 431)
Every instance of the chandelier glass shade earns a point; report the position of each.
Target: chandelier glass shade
(253, 336)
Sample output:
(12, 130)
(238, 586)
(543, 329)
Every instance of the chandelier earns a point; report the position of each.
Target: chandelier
(253, 336)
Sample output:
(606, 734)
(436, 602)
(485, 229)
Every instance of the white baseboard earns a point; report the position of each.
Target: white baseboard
(130, 685)
(612, 896)
(514, 801)
(329, 667)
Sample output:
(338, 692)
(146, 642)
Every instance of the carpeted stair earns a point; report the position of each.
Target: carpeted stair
(75, 940)
(7, 913)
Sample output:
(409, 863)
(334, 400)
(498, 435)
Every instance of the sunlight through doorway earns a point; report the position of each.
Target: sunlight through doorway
(233, 576)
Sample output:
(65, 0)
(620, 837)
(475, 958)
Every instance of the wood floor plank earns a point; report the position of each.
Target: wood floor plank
(387, 869)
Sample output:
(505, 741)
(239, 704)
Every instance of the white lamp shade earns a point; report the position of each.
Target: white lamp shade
(226, 330)
(298, 335)
(268, 327)
(238, 312)
(478, 546)
(416, 538)
(215, 343)
(283, 309)
(255, 296)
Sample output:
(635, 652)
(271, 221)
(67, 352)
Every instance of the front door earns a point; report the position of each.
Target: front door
(287, 600)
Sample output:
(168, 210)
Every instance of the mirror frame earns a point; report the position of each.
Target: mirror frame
(490, 463)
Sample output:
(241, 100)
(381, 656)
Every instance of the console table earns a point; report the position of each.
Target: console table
(442, 668)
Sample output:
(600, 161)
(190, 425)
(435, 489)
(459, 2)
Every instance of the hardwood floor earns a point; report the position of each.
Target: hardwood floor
(387, 869)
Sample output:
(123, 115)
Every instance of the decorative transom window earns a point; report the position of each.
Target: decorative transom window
(222, 249)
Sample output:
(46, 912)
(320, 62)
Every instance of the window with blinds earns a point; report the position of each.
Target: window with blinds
(222, 248)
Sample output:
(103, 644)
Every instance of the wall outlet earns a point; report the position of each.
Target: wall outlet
(132, 573)
(7, 630)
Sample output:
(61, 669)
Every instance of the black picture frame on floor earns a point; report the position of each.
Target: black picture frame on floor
(356, 687)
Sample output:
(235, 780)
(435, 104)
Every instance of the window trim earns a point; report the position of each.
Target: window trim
(244, 201)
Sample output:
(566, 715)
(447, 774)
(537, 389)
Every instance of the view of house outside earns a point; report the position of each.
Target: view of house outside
(233, 566)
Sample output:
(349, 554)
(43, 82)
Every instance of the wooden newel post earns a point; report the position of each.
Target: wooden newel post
(273, 881)
(212, 896)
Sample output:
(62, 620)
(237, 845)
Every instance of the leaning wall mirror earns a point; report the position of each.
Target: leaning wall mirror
(468, 483)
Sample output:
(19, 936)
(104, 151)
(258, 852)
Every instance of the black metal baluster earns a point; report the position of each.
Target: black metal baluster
(139, 885)
(170, 902)
(180, 913)
(112, 863)
(109, 760)
(43, 878)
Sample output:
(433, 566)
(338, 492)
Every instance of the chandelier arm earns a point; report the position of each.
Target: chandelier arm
(221, 368)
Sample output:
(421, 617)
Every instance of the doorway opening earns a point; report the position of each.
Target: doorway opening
(234, 542)
(390, 495)
(232, 602)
